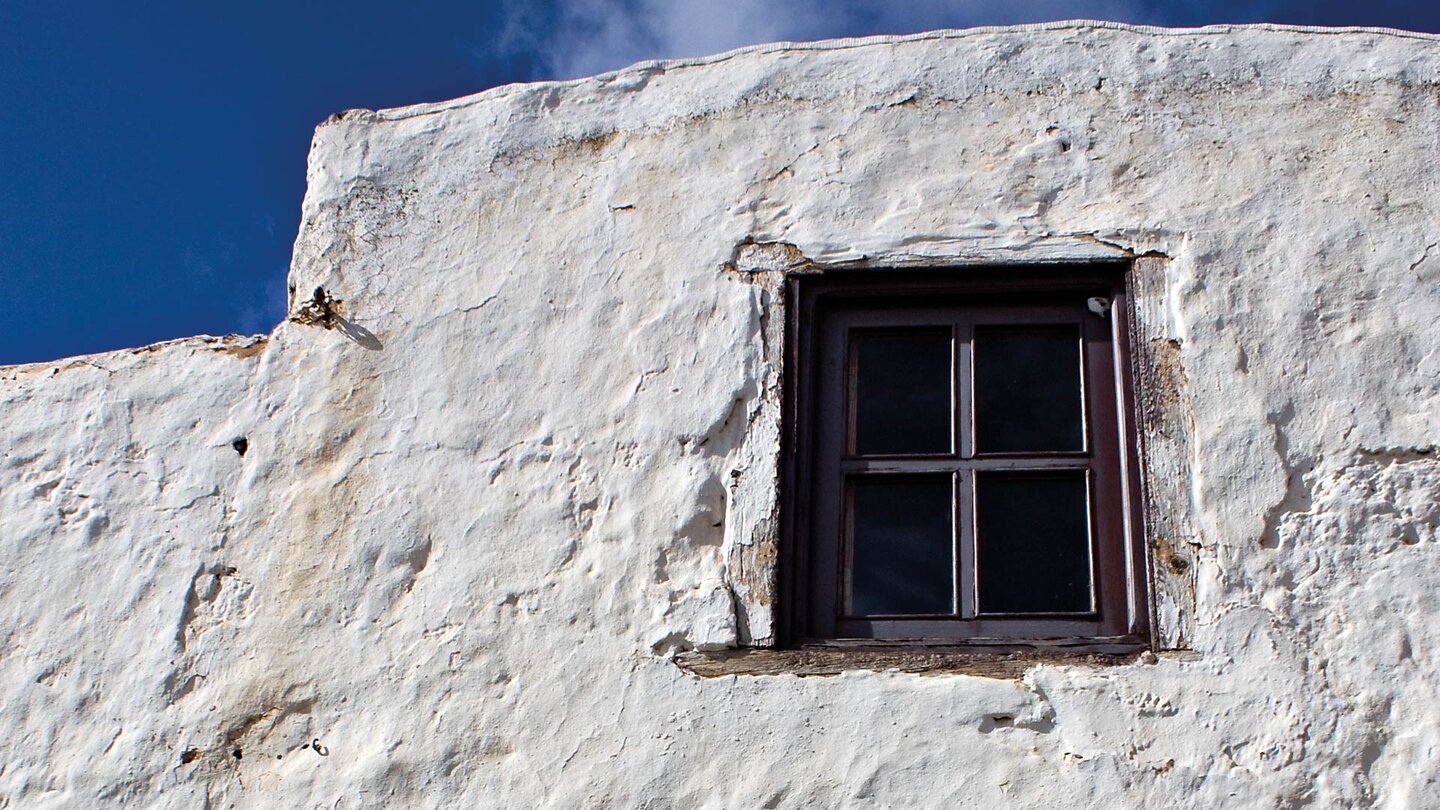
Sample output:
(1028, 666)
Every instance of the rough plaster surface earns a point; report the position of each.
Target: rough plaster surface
(531, 454)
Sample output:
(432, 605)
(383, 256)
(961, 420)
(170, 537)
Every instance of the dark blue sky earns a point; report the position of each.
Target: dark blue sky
(152, 154)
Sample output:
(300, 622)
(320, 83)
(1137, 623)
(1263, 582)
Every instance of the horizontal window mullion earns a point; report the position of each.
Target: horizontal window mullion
(928, 465)
(1020, 464)
(946, 465)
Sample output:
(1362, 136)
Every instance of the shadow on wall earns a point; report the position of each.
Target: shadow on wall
(358, 334)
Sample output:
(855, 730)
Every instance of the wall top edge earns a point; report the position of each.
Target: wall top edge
(239, 346)
(846, 43)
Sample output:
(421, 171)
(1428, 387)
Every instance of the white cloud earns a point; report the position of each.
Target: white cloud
(571, 38)
(582, 37)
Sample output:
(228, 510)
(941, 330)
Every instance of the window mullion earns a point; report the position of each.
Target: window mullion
(965, 541)
(964, 478)
(964, 421)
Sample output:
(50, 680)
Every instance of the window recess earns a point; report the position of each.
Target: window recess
(960, 461)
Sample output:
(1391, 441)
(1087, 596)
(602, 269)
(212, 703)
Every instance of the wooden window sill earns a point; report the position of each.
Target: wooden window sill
(823, 661)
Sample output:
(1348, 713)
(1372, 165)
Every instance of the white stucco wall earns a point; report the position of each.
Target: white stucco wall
(476, 520)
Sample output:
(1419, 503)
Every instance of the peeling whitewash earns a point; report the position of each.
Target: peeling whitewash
(523, 452)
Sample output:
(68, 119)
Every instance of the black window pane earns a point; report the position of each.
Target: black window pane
(902, 392)
(1033, 543)
(1027, 389)
(901, 547)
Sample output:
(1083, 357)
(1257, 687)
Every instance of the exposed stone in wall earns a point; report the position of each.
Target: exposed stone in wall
(445, 536)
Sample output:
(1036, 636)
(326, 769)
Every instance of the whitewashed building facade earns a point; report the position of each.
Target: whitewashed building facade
(498, 517)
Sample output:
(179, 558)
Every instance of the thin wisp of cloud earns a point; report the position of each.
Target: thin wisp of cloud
(584, 37)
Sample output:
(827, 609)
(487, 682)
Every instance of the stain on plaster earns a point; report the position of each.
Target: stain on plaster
(751, 257)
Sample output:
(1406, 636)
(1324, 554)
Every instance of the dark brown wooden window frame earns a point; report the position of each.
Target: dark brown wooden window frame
(820, 306)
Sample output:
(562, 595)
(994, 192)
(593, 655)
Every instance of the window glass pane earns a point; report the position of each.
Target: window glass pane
(902, 392)
(901, 547)
(1027, 389)
(1032, 543)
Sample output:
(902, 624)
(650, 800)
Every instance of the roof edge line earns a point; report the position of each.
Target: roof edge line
(845, 43)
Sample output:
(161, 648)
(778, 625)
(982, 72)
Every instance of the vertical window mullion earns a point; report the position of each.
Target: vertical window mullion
(965, 541)
(1087, 413)
(963, 411)
(964, 478)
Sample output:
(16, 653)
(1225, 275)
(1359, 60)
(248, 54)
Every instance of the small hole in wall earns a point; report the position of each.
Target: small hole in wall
(237, 753)
(189, 756)
(994, 721)
(241, 445)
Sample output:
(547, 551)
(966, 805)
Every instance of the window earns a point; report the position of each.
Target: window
(960, 461)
